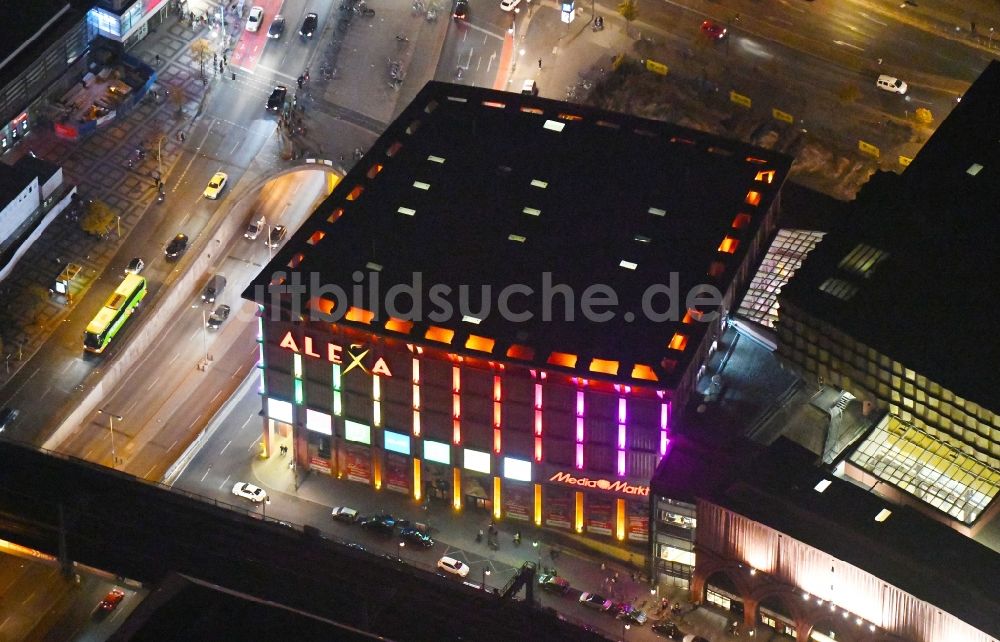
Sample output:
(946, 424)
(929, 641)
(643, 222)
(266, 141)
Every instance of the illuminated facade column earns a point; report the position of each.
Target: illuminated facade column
(665, 410)
(456, 484)
(497, 411)
(496, 497)
(376, 400)
(538, 416)
(456, 405)
(620, 518)
(622, 436)
(417, 485)
(297, 372)
(580, 409)
(538, 505)
(416, 399)
(578, 512)
(338, 403)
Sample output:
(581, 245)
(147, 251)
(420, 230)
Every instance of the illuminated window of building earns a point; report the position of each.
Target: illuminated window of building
(553, 125)
(316, 237)
(413, 127)
(862, 260)
(716, 269)
(741, 220)
(729, 245)
(718, 599)
(517, 351)
(753, 198)
(374, 170)
(517, 238)
(678, 342)
(422, 185)
(359, 315)
(843, 290)
(356, 193)
(640, 238)
(628, 265)
(562, 359)
(606, 366)
(408, 211)
(336, 214)
(531, 211)
(765, 176)
(399, 325)
(441, 335)
(974, 169)
(656, 211)
(494, 104)
(435, 159)
(642, 371)
(539, 183)
(481, 344)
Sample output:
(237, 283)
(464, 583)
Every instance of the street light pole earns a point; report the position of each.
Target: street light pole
(267, 501)
(402, 547)
(486, 573)
(625, 627)
(111, 423)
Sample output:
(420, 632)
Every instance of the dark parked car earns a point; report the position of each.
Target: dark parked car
(135, 266)
(413, 536)
(7, 417)
(668, 630)
(277, 27)
(277, 98)
(214, 288)
(380, 524)
(218, 317)
(277, 235)
(461, 11)
(177, 246)
(344, 514)
(309, 25)
(553, 583)
(595, 601)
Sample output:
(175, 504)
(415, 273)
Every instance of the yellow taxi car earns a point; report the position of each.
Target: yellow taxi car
(216, 184)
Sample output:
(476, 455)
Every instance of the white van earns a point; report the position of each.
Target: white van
(529, 88)
(254, 228)
(888, 83)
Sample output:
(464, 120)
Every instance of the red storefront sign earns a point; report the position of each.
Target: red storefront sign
(558, 510)
(600, 514)
(638, 521)
(397, 473)
(320, 464)
(517, 500)
(359, 463)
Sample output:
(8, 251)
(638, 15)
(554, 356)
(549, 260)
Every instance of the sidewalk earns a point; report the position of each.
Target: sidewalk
(99, 165)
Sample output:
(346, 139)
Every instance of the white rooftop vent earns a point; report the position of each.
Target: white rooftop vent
(628, 265)
(883, 515)
(406, 210)
(554, 125)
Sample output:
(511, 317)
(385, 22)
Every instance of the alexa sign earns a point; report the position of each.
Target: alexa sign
(335, 354)
(601, 484)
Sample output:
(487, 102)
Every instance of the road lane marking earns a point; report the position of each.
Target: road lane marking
(174, 359)
(225, 482)
(252, 444)
(69, 364)
(48, 389)
(172, 445)
(146, 476)
(202, 480)
(498, 36)
(276, 72)
(247, 421)
(217, 395)
(875, 20)
(847, 44)
(224, 447)
(150, 386)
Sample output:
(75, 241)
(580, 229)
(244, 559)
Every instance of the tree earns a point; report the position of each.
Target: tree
(97, 219)
(627, 9)
(923, 116)
(201, 49)
(178, 98)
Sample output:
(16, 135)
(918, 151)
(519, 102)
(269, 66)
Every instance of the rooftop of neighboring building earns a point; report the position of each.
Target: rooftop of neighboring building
(21, 22)
(482, 187)
(912, 270)
(13, 180)
(780, 488)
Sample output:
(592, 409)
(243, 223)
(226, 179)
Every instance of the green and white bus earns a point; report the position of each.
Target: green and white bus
(116, 311)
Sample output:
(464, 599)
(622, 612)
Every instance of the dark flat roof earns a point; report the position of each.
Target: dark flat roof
(909, 550)
(475, 186)
(930, 303)
(21, 21)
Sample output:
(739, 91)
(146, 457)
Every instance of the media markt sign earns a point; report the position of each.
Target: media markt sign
(601, 484)
(335, 353)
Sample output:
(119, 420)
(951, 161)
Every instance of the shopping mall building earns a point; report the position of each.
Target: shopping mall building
(612, 248)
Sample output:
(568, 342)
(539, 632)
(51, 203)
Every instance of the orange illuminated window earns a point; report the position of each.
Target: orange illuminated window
(494, 104)
(604, 365)
(374, 170)
(294, 263)
(482, 344)
(443, 335)
(741, 221)
(517, 351)
(716, 269)
(562, 359)
(356, 193)
(641, 371)
(766, 176)
(693, 315)
(278, 279)
(678, 342)
(359, 315)
(393, 149)
(538, 449)
(606, 123)
(398, 325)
(316, 237)
(496, 440)
(668, 365)
(729, 245)
(755, 160)
(322, 305)
(337, 213)
(570, 117)
(532, 110)
(753, 198)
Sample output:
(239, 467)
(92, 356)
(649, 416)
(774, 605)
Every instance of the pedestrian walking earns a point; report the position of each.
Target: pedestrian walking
(539, 63)
(604, 566)
(224, 61)
(157, 58)
(215, 58)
